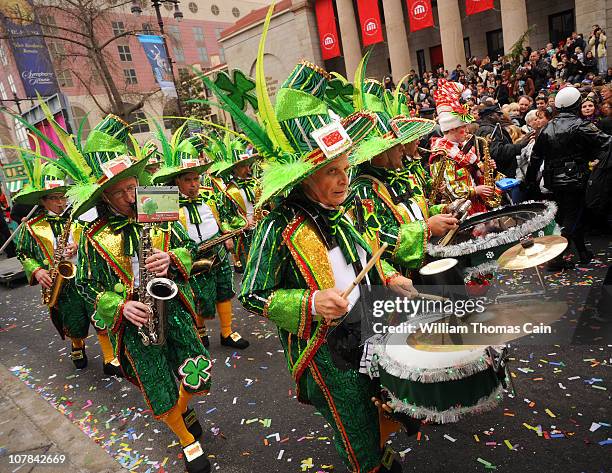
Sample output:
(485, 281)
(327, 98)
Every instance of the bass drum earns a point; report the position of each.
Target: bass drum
(483, 237)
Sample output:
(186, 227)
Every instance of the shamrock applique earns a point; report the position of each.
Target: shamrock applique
(336, 88)
(98, 322)
(195, 371)
(239, 89)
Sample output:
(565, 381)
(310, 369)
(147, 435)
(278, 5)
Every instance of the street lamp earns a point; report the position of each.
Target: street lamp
(136, 9)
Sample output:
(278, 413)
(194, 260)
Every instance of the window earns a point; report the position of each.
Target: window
(48, 24)
(79, 116)
(560, 26)
(174, 32)
(141, 126)
(495, 44)
(203, 54)
(193, 8)
(214, 10)
(130, 76)
(198, 34)
(3, 91)
(64, 79)
(221, 55)
(22, 135)
(147, 28)
(57, 50)
(11, 83)
(124, 53)
(218, 32)
(179, 54)
(3, 56)
(118, 27)
(169, 6)
(236, 12)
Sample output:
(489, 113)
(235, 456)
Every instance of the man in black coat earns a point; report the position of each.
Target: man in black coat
(502, 150)
(566, 145)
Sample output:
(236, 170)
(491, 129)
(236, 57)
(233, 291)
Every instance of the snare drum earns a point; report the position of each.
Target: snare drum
(437, 383)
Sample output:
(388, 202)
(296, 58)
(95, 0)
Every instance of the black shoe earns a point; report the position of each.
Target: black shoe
(234, 341)
(112, 369)
(239, 269)
(396, 467)
(203, 334)
(195, 459)
(585, 256)
(192, 423)
(79, 357)
(560, 265)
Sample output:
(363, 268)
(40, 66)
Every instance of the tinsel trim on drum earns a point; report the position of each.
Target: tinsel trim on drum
(484, 268)
(460, 370)
(446, 416)
(512, 235)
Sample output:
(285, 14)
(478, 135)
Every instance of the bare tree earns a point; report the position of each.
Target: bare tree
(80, 41)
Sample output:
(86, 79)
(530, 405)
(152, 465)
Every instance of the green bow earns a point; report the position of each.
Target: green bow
(192, 208)
(131, 232)
(57, 224)
(248, 186)
(372, 224)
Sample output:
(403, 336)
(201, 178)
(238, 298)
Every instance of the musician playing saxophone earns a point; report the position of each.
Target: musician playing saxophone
(37, 249)
(213, 288)
(109, 270)
(459, 168)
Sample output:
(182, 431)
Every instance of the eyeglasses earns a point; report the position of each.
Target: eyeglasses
(127, 192)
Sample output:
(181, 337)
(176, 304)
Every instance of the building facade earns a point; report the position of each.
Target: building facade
(455, 37)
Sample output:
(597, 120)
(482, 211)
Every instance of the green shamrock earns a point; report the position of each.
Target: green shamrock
(98, 322)
(195, 371)
(239, 89)
(336, 88)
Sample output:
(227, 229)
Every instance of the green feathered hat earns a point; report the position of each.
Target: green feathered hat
(227, 153)
(107, 161)
(44, 179)
(151, 150)
(180, 155)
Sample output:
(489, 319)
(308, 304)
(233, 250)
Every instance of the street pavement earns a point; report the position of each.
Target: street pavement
(559, 419)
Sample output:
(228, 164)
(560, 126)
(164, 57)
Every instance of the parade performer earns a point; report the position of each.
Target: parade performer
(388, 203)
(149, 149)
(212, 284)
(305, 250)
(456, 172)
(235, 165)
(110, 272)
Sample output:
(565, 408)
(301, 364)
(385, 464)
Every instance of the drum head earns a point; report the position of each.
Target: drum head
(438, 266)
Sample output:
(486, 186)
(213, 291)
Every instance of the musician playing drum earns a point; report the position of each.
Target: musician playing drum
(457, 172)
(214, 287)
(305, 252)
(110, 272)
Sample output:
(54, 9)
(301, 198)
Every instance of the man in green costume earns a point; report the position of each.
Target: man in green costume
(214, 286)
(110, 273)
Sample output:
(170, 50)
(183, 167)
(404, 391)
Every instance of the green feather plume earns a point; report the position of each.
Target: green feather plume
(264, 104)
(368, 148)
(166, 148)
(395, 109)
(276, 174)
(358, 98)
(82, 192)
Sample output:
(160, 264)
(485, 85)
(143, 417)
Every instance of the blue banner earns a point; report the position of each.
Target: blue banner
(156, 54)
(29, 49)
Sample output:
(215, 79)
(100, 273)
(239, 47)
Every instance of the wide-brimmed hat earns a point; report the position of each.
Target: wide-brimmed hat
(180, 156)
(44, 179)
(227, 152)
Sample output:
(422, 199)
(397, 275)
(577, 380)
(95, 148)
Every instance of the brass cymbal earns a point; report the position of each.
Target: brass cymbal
(496, 326)
(543, 250)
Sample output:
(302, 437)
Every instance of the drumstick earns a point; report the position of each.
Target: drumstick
(16, 232)
(375, 257)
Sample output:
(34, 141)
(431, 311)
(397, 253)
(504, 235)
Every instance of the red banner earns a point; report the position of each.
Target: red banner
(328, 35)
(420, 14)
(369, 18)
(476, 6)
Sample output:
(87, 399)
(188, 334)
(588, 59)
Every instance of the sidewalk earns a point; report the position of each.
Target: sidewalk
(30, 426)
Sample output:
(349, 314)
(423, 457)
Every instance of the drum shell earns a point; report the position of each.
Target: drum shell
(448, 283)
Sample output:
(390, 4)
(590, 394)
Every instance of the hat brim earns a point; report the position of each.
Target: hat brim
(135, 170)
(32, 197)
(412, 129)
(165, 174)
(279, 178)
(249, 160)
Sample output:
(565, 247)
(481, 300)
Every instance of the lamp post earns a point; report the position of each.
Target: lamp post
(178, 16)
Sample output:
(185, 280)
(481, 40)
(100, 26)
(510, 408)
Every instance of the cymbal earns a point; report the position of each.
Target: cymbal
(544, 249)
(495, 326)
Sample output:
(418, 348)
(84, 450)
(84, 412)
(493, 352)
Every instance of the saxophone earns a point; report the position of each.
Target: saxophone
(437, 180)
(61, 269)
(153, 292)
(490, 175)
